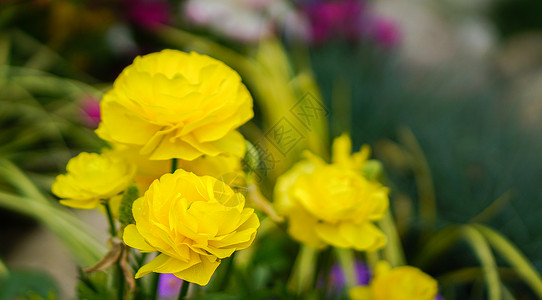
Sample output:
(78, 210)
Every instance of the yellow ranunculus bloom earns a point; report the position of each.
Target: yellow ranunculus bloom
(193, 222)
(223, 166)
(333, 204)
(92, 177)
(173, 104)
(401, 283)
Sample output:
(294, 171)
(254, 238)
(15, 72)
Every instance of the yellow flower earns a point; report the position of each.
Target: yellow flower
(173, 104)
(223, 166)
(193, 222)
(401, 283)
(333, 204)
(92, 177)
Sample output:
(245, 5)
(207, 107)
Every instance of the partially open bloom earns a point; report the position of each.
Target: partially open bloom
(90, 111)
(92, 177)
(401, 283)
(173, 104)
(333, 204)
(193, 222)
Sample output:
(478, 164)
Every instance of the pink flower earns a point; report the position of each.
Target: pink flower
(90, 111)
(384, 32)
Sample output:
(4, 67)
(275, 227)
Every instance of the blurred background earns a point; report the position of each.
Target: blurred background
(464, 77)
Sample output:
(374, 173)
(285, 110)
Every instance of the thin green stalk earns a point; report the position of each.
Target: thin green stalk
(118, 270)
(303, 270)
(154, 286)
(184, 290)
(424, 180)
(393, 250)
(120, 278)
(372, 259)
(348, 262)
(173, 165)
(494, 208)
(112, 228)
(225, 275)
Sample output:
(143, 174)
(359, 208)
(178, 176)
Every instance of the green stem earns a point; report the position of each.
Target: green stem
(112, 228)
(154, 286)
(184, 290)
(303, 270)
(393, 250)
(173, 165)
(120, 278)
(224, 280)
(118, 270)
(348, 262)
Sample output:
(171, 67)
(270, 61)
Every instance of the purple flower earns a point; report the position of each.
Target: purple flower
(149, 13)
(335, 19)
(169, 286)
(336, 280)
(90, 111)
(337, 277)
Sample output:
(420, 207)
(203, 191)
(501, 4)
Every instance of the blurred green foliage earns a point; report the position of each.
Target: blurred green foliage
(27, 285)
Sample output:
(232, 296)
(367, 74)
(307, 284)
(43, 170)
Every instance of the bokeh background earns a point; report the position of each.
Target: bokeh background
(464, 77)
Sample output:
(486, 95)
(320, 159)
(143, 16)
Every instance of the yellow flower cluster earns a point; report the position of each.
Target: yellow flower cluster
(169, 105)
(401, 283)
(174, 104)
(194, 222)
(333, 204)
(92, 177)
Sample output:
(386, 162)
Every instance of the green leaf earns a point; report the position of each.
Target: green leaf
(125, 210)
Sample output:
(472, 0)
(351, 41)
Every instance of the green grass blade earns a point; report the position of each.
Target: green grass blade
(20, 181)
(494, 208)
(514, 257)
(481, 248)
(437, 244)
(424, 180)
(72, 231)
